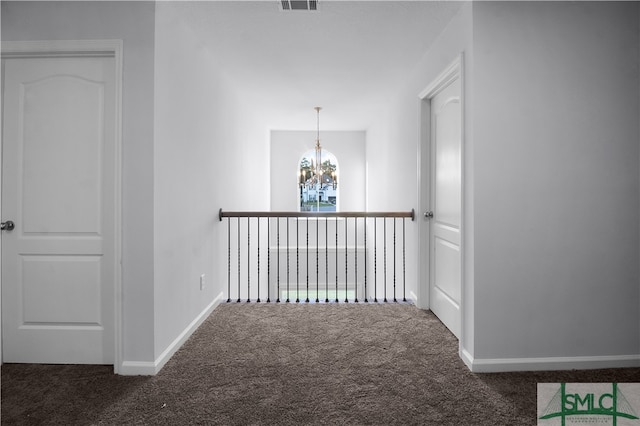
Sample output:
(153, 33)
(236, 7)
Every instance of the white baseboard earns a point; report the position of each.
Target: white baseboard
(147, 368)
(499, 365)
(466, 358)
(137, 368)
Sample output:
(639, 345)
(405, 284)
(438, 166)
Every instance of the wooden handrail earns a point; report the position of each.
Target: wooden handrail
(221, 214)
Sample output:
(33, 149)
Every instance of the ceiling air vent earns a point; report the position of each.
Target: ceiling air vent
(299, 4)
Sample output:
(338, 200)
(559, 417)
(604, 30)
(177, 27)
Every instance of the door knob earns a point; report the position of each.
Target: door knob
(428, 215)
(7, 226)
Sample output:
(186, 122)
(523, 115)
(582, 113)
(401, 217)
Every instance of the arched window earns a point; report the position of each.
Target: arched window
(318, 181)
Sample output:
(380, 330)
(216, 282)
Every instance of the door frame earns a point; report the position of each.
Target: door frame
(87, 48)
(455, 70)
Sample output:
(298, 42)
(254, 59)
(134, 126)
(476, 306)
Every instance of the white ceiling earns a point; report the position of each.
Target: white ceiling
(346, 57)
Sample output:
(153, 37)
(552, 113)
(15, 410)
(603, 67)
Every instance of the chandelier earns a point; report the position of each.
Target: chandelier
(320, 176)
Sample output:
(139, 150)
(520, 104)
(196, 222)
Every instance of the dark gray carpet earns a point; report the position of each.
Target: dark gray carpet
(292, 364)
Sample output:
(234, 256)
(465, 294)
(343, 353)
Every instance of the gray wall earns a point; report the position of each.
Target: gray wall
(556, 179)
(190, 108)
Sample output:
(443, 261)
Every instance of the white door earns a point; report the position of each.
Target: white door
(58, 161)
(446, 199)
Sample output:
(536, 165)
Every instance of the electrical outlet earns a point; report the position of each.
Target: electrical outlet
(202, 282)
